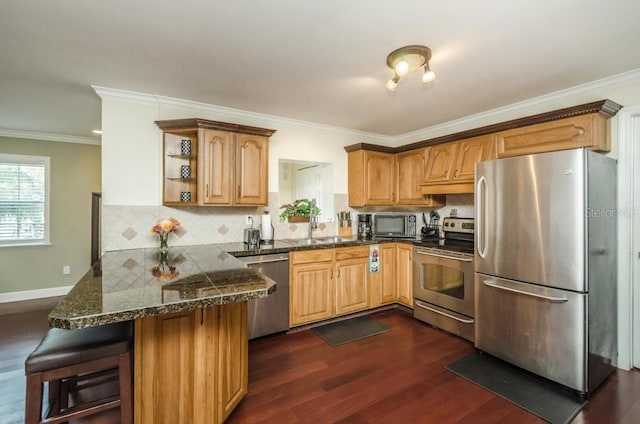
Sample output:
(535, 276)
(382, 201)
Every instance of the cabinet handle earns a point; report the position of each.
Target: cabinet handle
(331, 274)
(338, 270)
(446, 173)
(207, 189)
(455, 175)
(238, 191)
(201, 316)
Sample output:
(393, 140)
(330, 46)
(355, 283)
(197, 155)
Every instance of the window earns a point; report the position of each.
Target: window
(24, 200)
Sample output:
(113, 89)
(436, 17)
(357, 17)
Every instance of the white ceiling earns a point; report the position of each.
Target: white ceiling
(318, 61)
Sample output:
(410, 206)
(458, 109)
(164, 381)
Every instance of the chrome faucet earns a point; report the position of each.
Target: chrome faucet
(313, 219)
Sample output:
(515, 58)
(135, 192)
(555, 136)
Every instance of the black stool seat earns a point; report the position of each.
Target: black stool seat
(61, 348)
(66, 359)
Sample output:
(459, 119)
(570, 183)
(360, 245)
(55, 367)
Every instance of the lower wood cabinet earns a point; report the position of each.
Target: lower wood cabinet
(325, 283)
(352, 282)
(311, 287)
(190, 366)
(404, 269)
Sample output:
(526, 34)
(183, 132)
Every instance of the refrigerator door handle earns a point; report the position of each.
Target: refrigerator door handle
(481, 189)
(526, 293)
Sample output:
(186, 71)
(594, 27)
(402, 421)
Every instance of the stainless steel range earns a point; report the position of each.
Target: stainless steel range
(443, 277)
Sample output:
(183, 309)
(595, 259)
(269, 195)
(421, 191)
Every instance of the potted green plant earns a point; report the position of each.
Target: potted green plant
(298, 211)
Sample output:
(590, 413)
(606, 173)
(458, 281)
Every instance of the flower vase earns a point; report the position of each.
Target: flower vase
(164, 247)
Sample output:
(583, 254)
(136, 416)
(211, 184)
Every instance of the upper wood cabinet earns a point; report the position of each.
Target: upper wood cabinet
(450, 167)
(385, 179)
(224, 165)
(370, 178)
(581, 131)
(409, 173)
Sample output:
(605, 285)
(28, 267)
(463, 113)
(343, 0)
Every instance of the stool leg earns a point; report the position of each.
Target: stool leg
(33, 403)
(126, 396)
(55, 397)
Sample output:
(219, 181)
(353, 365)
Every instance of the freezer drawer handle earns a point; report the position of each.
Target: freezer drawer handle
(423, 306)
(549, 298)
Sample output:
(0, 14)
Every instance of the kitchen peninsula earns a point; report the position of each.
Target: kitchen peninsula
(190, 360)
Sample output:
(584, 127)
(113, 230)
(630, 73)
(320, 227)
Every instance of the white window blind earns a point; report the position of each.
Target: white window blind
(24, 211)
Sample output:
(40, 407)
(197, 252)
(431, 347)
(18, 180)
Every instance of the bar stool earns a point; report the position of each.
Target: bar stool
(65, 357)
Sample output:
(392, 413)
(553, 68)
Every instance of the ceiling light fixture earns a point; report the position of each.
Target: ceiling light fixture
(407, 59)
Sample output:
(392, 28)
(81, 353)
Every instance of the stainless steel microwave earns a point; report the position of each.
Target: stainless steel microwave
(389, 225)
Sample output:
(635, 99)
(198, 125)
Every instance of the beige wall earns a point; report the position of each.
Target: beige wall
(75, 174)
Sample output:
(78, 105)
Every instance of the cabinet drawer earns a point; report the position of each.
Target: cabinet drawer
(316, 255)
(352, 252)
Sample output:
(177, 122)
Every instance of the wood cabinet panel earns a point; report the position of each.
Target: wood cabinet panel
(252, 161)
(215, 165)
(311, 256)
(311, 292)
(439, 163)
(581, 131)
(409, 175)
(470, 152)
(379, 178)
(233, 359)
(352, 289)
(388, 273)
(404, 264)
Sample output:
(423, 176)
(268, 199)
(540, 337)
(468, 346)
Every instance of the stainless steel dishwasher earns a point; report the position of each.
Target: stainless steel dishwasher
(270, 314)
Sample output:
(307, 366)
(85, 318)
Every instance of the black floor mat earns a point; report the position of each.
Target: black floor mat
(545, 399)
(346, 331)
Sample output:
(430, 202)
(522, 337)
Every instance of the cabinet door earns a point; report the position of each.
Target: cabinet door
(352, 289)
(311, 292)
(404, 264)
(439, 162)
(409, 174)
(217, 167)
(174, 370)
(233, 377)
(252, 174)
(580, 131)
(388, 273)
(378, 178)
(470, 152)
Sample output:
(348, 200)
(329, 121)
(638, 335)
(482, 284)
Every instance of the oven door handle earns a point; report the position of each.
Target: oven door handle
(424, 306)
(453, 258)
(526, 293)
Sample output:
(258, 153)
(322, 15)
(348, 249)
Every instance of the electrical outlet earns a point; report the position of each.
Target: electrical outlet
(66, 270)
(248, 220)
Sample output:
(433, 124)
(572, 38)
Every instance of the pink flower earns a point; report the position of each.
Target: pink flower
(165, 225)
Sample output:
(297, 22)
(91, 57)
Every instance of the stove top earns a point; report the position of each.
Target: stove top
(458, 237)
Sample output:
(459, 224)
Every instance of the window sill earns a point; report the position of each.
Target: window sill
(35, 244)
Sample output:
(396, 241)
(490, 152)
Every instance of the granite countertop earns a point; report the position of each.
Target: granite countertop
(129, 284)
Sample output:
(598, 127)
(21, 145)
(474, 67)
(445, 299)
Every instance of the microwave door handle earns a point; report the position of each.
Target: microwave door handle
(481, 190)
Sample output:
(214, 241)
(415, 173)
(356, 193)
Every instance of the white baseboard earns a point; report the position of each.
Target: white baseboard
(34, 294)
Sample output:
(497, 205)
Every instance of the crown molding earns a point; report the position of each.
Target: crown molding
(227, 113)
(62, 138)
(582, 93)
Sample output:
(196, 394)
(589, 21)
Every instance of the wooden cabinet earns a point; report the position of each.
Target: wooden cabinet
(352, 282)
(409, 175)
(190, 366)
(233, 357)
(227, 164)
(378, 179)
(370, 176)
(384, 284)
(581, 131)
(404, 264)
(450, 167)
(311, 292)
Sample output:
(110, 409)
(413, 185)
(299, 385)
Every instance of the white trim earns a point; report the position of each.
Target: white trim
(628, 155)
(228, 113)
(34, 135)
(34, 294)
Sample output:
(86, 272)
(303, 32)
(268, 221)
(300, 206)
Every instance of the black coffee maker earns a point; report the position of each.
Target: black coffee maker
(364, 226)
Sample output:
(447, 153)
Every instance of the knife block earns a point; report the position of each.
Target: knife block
(345, 231)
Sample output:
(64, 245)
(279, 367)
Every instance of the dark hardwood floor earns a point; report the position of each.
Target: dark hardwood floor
(395, 377)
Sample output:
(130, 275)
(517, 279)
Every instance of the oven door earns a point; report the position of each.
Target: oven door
(443, 280)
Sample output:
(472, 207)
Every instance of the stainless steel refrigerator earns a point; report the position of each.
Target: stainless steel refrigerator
(545, 263)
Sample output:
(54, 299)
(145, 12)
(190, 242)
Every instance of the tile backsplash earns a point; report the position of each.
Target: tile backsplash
(129, 227)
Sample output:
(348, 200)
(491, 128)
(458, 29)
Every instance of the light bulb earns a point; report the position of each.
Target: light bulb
(392, 84)
(428, 75)
(402, 67)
